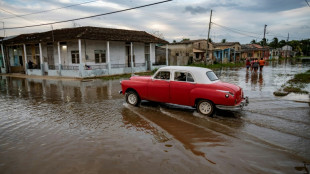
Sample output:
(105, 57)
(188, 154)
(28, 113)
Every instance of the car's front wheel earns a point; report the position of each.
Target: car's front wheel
(205, 107)
(132, 98)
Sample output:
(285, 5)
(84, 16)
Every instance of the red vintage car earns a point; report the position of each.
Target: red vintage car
(184, 85)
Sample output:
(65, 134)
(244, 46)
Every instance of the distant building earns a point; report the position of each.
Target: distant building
(227, 52)
(81, 52)
(254, 51)
(287, 51)
(189, 51)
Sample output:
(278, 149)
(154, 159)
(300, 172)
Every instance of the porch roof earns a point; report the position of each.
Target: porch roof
(91, 33)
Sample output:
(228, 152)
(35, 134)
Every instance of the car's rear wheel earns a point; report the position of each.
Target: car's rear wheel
(205, 107)
(132, 98)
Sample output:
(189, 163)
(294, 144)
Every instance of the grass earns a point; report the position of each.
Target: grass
(113, 77)
(295, 85)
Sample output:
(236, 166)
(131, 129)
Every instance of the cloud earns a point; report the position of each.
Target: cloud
(196, 10)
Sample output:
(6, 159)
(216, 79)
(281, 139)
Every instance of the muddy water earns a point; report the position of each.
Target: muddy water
(67, 126)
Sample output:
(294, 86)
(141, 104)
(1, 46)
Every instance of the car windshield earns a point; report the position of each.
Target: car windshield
(212, 76)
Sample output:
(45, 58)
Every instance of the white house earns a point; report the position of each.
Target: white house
(81, 52)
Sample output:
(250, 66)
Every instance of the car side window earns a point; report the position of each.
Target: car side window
(180, 76)
(189, 78)
(183, 76)
(163, 75)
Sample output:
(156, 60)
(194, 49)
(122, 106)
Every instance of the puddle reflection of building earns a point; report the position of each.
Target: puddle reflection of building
(58, 90)
(260, 80)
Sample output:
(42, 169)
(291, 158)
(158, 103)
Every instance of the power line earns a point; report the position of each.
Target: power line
(119, 11)
(44, 10)
(307, 3)
(236, 31)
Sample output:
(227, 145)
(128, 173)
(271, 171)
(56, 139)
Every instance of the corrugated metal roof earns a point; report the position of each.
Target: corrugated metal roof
(91, 33)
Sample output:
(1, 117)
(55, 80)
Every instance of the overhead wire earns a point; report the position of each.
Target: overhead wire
(44, 10)
(103, 14)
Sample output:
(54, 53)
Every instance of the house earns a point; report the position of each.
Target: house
(81, 52)
(275, 53)
(188, 51)
(287, 51)
(227, 52)
(254, 51)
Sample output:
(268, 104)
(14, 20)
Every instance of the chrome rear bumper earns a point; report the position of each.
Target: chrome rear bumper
(245, 102)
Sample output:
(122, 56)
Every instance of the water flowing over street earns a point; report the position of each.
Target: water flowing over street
(74, 126)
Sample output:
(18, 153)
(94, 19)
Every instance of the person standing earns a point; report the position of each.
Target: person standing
(247, 63)
(261, 64)
(255, 65)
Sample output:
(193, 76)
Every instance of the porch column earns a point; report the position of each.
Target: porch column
(41, 59)
(108, 57)
(234, 55)
(59, 58)
(151, 65)
(80, 58)
(131, 57)
(167, 54)
(228, 54)
(3, 58)
(222, 55)
(26, 61)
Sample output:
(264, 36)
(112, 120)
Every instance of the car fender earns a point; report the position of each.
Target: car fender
(211, 94)
(139, 86)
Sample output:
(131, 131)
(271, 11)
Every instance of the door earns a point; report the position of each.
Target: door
(181, 87)
(159, 87)
(50, 55)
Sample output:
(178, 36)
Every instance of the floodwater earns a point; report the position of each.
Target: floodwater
(71, 126)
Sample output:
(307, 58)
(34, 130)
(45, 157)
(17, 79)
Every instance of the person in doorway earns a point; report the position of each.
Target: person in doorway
(261, 64)
(30, 64)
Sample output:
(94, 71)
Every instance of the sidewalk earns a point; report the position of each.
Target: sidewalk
(19, 75)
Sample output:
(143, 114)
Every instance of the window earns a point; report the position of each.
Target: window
(100, 56)
(165, 75)
(187, 54)
(183, 76)
(75, 57)
(176, 54)
(212, 76)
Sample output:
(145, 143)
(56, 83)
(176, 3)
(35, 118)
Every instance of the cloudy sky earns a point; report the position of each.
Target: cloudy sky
(233, 20)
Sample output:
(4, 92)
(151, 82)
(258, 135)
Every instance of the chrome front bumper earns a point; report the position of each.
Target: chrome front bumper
(245, 102)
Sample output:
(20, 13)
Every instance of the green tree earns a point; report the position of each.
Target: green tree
(253, 41)
(223, 40)
(274, 43)
(282, 43)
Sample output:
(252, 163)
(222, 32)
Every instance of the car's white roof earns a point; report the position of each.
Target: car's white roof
(198, 73)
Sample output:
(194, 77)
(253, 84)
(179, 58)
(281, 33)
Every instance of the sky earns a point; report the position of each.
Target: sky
(234, 20)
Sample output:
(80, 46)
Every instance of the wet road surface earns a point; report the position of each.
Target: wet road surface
(70, 126)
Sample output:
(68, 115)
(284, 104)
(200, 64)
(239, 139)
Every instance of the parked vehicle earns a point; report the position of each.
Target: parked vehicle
(184, 85)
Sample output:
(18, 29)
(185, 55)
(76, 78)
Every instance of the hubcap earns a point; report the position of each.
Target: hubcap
(205, 108)
(132, 99)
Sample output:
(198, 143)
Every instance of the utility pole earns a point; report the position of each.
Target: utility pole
(208, 38)
(288, 36)
(264, 39)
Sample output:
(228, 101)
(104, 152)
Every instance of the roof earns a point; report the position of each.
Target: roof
(198, 73)
(188, 41)
(91, 33)
(226, 44)
(253, 47)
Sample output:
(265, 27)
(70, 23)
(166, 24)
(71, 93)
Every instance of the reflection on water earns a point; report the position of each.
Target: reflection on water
(73, 126)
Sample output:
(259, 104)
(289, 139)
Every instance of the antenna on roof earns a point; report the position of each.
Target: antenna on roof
(52, 33)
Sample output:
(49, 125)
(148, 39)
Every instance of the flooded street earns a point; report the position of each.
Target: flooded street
(72, 126)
